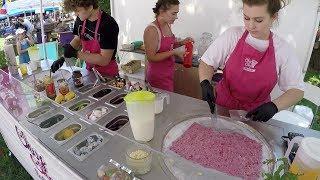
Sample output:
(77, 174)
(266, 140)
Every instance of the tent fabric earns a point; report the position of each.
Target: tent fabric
(21, 6)
(16, 12)
(31, 4)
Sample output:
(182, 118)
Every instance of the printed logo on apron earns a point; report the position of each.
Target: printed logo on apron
(250, 65)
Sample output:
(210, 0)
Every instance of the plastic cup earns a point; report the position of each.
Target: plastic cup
(23, 69)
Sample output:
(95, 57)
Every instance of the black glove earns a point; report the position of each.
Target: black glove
(69, 51)
(57, 64)
(207, 94)
(264, 112)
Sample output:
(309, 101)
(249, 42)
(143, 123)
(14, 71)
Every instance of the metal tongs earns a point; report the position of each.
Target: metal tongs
(98, 76)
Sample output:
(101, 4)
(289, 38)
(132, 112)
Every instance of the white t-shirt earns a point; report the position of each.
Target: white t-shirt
(29, 25)
(287, 63)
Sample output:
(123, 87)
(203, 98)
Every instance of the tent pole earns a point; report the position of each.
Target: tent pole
(8, 18)
(42, 31)
(54, 12)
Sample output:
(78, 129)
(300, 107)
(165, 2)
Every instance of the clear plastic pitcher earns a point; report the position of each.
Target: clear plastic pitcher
(141, 112)
(307, 160)
(159, 102)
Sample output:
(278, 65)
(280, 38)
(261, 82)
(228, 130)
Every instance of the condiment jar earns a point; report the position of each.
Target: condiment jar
(49, 86)
(63, 86)
(77, 79)
(40, 89)
(139, 159)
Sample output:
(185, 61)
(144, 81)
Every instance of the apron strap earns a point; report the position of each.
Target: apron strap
(270, 45)
(246, 33)
(83, 27)
(158, 24)
(97, 26)
(159, 27)
(96, 29)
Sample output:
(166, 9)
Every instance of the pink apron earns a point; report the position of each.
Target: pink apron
(160, 74)
(249, 77)
(93, 46)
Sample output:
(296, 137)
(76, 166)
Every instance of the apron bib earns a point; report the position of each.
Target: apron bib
(160, 74)
(249, 77)
(93, 46)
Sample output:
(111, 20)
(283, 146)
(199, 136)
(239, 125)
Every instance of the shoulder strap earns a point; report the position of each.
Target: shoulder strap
(158, 25)
(159, 33)
(97, 26)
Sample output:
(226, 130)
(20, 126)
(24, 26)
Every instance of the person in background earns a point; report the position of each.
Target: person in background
(160, 43)
(254, 60)
(23, 43)
(26, 23)
(97, 33)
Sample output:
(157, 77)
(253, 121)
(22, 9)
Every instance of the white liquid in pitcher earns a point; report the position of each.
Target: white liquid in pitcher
(142, 121)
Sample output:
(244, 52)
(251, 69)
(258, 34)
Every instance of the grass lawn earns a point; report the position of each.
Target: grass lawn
(1, 43)
(10, 168)
(313, 77)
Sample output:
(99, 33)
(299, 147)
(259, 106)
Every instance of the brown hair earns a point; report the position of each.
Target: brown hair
(164, 5)
(71, 5)
(274, 6)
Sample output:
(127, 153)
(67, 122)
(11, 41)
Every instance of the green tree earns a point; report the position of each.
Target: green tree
(105, 5)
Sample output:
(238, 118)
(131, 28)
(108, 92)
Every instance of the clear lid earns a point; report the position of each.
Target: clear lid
(310, 152)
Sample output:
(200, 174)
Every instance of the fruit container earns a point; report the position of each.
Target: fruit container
(80, 105)
(51, 122)
(117, 123)
(86, 88)
(102, 93)
(39, 112)
(117, 100)
(67, 133)
(97, 113)
(87, 146)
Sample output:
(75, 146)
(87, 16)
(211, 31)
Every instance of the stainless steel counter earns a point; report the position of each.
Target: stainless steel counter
(180, 108)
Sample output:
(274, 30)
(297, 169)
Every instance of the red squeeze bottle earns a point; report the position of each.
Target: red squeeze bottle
(187, 60)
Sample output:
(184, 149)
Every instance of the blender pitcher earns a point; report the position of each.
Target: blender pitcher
(141, 112)
(307, 160)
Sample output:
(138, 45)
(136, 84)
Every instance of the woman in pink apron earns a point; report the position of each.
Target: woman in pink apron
(160, 43)
(97, 33)
(254, 66)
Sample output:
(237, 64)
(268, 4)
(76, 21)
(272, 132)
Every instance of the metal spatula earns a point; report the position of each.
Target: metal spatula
(214, 118)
